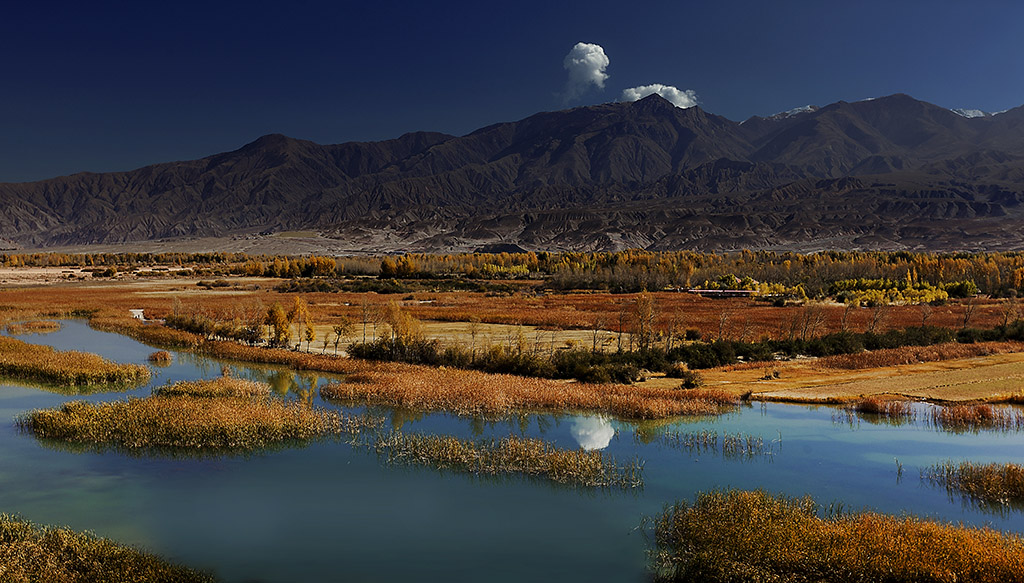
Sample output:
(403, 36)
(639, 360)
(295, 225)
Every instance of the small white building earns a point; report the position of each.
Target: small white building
(137, 314)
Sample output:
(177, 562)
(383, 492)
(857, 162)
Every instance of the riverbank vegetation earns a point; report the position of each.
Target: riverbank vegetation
(33, 362)
(754, 536)
(36, 553)
(223, 413)
(510, 456)
(992, 483)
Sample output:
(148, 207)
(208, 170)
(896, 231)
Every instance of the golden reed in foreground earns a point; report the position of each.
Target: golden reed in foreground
(33, 553)
(753, 536)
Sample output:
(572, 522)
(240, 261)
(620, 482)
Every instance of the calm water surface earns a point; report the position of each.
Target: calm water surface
(332, 511)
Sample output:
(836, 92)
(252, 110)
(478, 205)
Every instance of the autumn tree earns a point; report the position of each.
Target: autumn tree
(365, 314)
(300, 317)
(343, 329)
(309, 334)
(280, 327)
(403, 326)
(474, 329)
(643, 319)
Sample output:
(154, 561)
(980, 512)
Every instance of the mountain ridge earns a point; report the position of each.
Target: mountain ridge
(602, 177)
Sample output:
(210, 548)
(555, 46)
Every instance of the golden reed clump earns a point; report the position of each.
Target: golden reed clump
(34, 553)
(994, 483)
(223, 413)
(34, 362)
(977, 417)
(753, 536)
(894, 408)
(161, 358)
(509, 456)
(469, 392)
(33, 327)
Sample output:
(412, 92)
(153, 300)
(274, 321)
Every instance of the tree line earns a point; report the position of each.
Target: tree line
(996, 274)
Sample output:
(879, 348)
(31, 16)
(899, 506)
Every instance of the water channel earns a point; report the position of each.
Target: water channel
(333, 511)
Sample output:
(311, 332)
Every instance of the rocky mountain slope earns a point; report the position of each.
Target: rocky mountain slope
(888, 173)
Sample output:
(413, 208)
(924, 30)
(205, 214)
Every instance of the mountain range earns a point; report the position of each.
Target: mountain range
(887, 173)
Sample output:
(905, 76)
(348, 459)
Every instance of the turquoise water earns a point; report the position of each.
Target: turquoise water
(332, 511)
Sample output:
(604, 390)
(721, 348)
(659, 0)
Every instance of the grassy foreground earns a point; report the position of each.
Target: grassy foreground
(32, 553)
(33, 362)
(752, 536)
(220, 413)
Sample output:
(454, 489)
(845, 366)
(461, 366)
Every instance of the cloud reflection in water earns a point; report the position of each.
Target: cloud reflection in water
(592, 432)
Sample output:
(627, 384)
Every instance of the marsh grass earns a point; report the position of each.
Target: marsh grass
(468, 392)
(878, 410)
(884, 407)
(959, 418)
(223, 413)
(161, 358)
(1014, 398)
(510, 456)
(152, 334)
(33, 362)
(730, 445)
(223, 386)
(46, 554)
(753, 536)
(992, 483)
(33, 327)
(464, 392)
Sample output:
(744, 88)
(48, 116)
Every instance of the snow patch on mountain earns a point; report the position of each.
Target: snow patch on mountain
(795, 111)
(971, 113)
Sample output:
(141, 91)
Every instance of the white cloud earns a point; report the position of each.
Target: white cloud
(676, 97)
(586, 63)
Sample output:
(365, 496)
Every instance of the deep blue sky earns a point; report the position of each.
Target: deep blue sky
(115, 86)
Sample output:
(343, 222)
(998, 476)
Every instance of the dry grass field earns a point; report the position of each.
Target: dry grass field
(993, 377)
